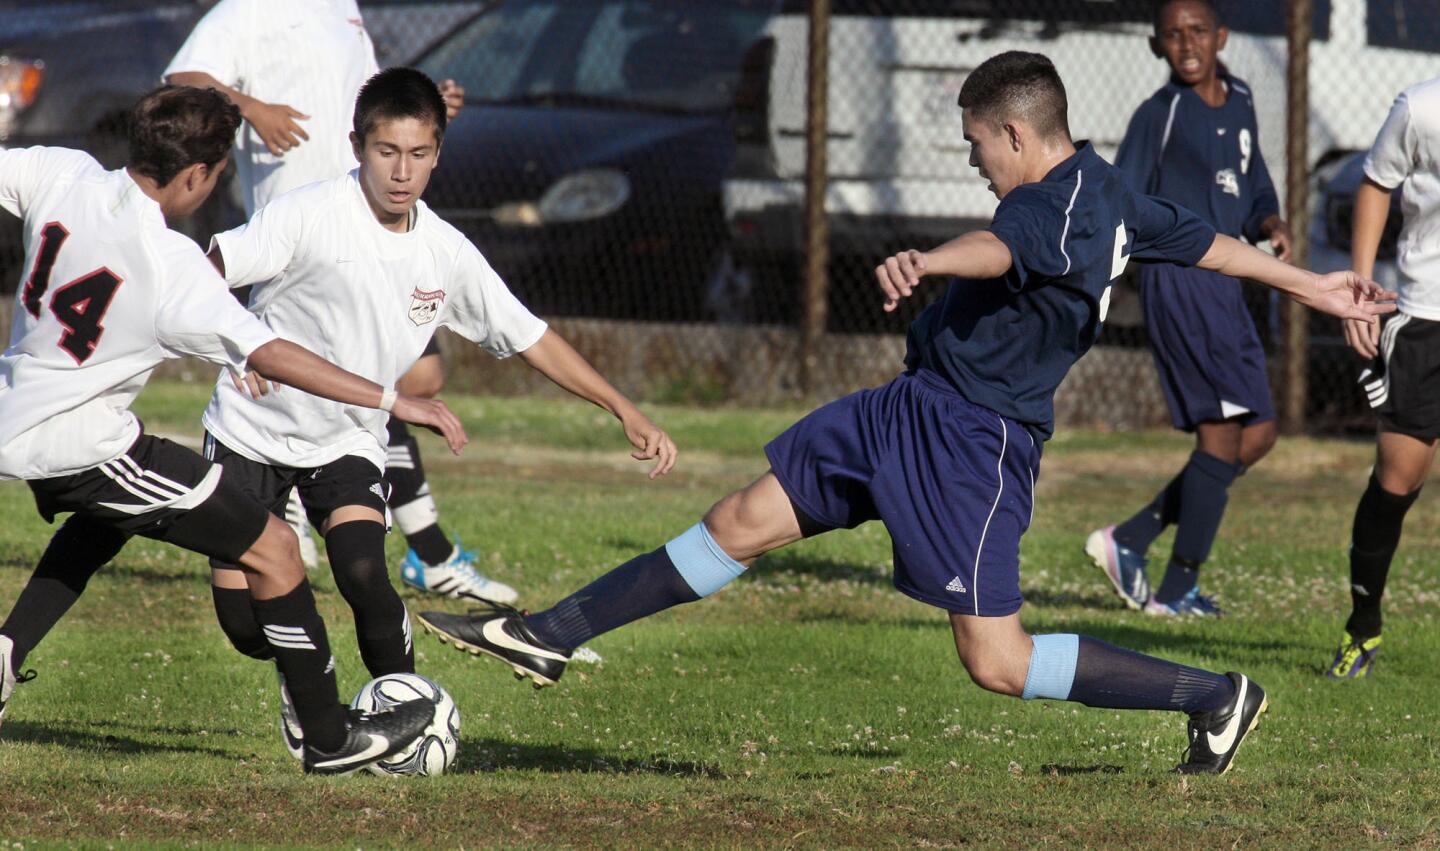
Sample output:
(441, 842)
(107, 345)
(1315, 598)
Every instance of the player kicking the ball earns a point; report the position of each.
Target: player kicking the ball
(946, 454)
(109, 293)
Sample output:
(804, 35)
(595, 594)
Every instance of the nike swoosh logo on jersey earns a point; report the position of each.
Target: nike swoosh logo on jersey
(378, 745)
(1226, 740)
(494, 632)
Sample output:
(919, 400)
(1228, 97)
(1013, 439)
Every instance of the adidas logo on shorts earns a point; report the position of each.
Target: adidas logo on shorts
(956, 585)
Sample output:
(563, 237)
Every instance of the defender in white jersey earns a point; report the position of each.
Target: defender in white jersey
(359, 268)
(1401, 380)
(268, 55)
(109, 292)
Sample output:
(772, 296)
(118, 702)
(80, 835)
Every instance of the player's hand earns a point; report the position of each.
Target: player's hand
(1362, 336)
(275, 123)
(454, 96)
(650, 441)
(899, 275)
(1349, 296)
(252, 385)
(434, 415)
(1280, 239)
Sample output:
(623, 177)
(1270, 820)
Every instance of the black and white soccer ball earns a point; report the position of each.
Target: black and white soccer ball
(436, 748)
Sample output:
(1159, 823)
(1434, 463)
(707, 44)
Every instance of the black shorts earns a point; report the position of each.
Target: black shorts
(348, 480)
(431, 348)
(161, 490)
(1403, 381)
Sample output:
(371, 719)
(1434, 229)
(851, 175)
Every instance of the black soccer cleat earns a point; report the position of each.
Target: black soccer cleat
(372, 736)
(500, 632)
(1216, 735)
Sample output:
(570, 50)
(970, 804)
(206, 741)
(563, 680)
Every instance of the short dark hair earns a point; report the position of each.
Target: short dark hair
(1158, 12)
(175, 127)
(1016, 84)
(399, 93)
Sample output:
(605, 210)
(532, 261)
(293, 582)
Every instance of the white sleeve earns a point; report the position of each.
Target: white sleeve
(26, 172)
(260, 249)
(199, 317)
(482, 309)
(1392, 157)
(217, 45)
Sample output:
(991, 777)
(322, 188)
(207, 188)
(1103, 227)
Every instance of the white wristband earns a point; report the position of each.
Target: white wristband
(387, 399)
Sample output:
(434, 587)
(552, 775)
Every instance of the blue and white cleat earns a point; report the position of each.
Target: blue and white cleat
(457, 578)
(1124, 567)
(1193, 604)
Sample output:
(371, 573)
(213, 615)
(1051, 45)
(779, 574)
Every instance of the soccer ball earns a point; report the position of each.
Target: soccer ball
(437, 747)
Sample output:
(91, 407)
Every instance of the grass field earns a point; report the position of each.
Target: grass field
(809, 704)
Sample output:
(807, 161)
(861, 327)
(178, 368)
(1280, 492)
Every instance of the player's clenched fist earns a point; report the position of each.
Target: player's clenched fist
(276, 126)
(454, 96)
(434, 415)
(899, 275)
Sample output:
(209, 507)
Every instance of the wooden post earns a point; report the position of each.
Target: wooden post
(816, 286)
(1295, 320)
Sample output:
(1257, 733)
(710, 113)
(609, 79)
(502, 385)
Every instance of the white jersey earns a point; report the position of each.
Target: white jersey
(328, 276)
(1407, 153)
(311, 55)
(107, 293)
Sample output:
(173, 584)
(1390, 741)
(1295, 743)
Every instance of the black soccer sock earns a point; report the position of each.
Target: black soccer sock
(410, 502)
(297, 637)
(638, 588)
(1373, 539)
(1140, 531)
(1112, 677)
(236, 613)
(1204, 490)
(79, 548)
(357, 557)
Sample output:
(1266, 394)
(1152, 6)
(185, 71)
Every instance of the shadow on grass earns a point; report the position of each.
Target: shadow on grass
(90, 741)
(777, 564)
(1055, 770)
(1099, 598)
(487, 754)
(1159, 641)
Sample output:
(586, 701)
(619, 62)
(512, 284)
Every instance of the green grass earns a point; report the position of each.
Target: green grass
(809, 704)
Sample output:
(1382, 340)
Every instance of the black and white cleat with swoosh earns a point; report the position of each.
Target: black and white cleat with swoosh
(500, 631)
(372, 736)
(1216, 735)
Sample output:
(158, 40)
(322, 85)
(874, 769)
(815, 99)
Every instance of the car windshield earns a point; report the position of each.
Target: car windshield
(664, 55)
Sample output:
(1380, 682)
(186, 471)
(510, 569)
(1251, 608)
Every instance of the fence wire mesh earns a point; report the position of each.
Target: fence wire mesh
(635, 169)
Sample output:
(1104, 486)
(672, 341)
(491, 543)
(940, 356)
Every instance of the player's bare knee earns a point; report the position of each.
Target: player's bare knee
(1257, 443)
(277, 553)
(990, 671)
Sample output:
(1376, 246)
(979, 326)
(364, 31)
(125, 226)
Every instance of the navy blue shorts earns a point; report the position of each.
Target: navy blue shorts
(1211, 363)
(952, 481)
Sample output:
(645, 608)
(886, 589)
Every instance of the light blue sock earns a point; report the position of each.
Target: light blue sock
(1052, 666)
(705, 566)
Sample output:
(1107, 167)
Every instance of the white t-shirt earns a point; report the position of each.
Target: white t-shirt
(311, 55)
(1407, 153)
(328, 276)
(123, 292)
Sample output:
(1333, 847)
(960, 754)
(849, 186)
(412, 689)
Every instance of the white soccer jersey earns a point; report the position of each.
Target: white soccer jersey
(328, 276)
(312, 55)
(1407, 153)
(107, 293)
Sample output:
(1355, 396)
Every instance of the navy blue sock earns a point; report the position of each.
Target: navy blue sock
(1112, 677)
(638, 588)
(1204, 490)
(1140, 531)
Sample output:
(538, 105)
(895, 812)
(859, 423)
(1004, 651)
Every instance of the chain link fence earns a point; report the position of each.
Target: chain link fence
(635, 169)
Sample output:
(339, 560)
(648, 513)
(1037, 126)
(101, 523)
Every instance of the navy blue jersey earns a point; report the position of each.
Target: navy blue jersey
(1005, 344)
(1204, 158)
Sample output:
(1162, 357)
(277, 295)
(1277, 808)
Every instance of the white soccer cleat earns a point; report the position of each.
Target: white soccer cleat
(290, 729)
(457, 578)
(8, 678)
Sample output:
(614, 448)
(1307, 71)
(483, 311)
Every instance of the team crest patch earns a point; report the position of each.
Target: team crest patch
(424, 304)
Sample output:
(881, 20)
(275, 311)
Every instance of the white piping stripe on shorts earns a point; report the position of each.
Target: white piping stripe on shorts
(159, 493)
(1031, 470)
(1000, 470)
(1079, 178)
(154, 476)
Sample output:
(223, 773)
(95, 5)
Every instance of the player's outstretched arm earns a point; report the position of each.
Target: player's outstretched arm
(978, 254)
(275, 122)
(1343, 294)
(297, 366)
(559, 362)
